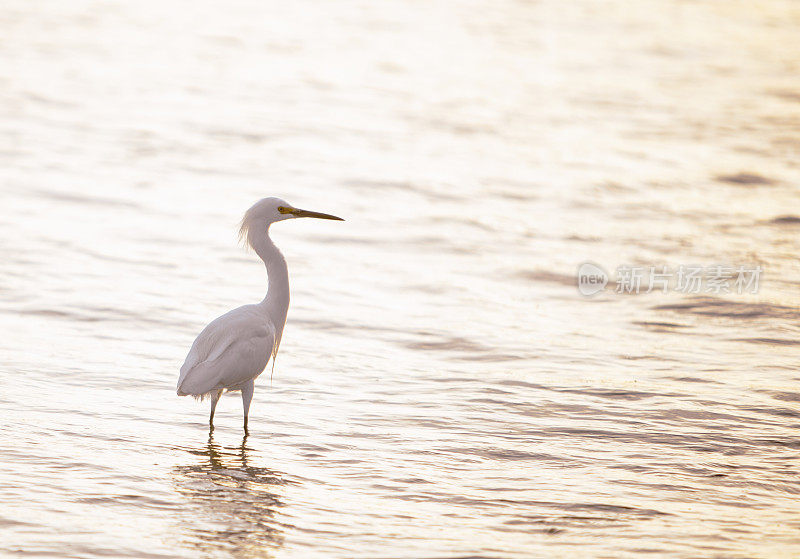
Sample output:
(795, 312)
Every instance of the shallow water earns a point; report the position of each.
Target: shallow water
(442, 389)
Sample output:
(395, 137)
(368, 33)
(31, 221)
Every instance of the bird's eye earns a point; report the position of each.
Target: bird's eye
(283, 209)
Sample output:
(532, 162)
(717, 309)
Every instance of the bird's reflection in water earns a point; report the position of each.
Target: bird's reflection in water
(235, 504)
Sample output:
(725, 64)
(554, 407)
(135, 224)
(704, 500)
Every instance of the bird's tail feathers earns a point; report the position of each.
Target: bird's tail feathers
(198, 397)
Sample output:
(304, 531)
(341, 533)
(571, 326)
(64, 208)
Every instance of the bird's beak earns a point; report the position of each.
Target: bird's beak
(306, 213)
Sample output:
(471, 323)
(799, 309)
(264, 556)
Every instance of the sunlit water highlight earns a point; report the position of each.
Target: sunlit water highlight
(442, 388)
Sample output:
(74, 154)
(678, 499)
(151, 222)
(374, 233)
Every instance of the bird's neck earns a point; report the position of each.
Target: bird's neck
(276, 303)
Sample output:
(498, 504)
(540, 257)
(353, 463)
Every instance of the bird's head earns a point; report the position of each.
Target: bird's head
(267, 211)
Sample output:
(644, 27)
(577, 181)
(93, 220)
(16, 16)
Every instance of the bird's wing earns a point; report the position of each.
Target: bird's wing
(230, 351)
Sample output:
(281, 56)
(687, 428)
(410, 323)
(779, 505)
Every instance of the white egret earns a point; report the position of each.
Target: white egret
(235, 348)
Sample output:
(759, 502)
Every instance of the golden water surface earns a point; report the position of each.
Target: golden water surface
(442, 390)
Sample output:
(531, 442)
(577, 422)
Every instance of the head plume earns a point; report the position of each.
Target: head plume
(247, 227)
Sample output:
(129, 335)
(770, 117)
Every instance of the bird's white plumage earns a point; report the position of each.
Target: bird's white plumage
(232, 350)
(236, 347)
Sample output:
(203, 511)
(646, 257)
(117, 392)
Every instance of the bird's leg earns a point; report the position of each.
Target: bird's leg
(214, 399)
(247, 396)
